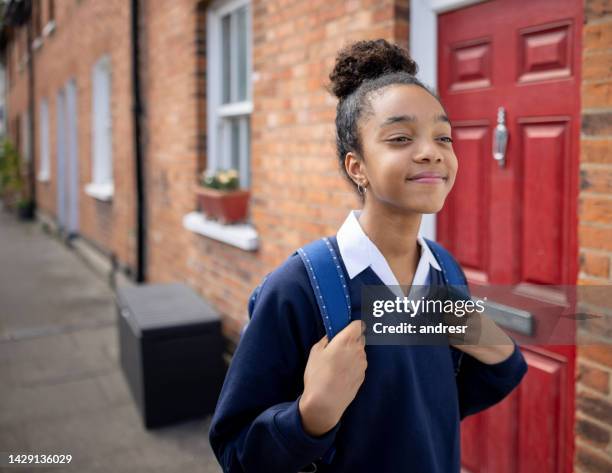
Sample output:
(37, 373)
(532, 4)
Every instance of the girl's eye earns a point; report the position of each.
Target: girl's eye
(400, 139)
(450, 140)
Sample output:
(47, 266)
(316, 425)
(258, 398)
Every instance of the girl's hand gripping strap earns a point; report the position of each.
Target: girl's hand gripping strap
(331, 291)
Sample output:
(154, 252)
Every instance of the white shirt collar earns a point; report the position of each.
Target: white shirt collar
(358, 252)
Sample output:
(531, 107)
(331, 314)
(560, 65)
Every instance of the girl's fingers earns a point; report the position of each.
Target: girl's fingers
(348, 334)
(361, 338)
(353, 332)
(323, 342)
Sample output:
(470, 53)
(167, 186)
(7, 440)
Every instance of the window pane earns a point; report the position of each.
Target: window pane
(245, 171)
(44, 139)
(226, 57)
(235, 159)
(242, 53)
(102, 124)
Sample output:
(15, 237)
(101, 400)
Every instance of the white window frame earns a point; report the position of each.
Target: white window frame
(44, 171)
(101, 186)
(219, 129)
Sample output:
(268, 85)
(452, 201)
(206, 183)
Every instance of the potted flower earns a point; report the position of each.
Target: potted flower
(220, 196)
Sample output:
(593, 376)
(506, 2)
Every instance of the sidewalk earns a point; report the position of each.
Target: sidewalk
(62, 390)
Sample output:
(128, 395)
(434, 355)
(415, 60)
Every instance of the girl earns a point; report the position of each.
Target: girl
(291, 396)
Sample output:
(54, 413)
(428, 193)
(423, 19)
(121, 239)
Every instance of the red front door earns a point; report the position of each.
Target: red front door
(514, 221)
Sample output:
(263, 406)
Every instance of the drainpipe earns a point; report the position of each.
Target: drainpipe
(141, 233)
(31, 144)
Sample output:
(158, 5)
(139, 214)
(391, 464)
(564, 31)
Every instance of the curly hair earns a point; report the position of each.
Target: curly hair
(360, 69)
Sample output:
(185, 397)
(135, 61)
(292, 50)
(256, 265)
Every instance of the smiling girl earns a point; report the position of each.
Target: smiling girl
(291, 396)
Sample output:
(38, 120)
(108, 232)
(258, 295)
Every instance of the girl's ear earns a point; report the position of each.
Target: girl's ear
(355, 168)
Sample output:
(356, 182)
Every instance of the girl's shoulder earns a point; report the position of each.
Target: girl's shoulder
(286, 296)
(289, 276)
(286, 308)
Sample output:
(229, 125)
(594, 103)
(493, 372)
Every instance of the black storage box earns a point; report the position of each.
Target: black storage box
(171, 351)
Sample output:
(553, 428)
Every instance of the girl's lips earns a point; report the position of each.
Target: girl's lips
(428, 180)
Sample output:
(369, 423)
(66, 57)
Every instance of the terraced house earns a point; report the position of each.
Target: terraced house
(118, 107)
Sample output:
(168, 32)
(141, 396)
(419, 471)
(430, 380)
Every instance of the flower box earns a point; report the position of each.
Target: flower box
(226, 206)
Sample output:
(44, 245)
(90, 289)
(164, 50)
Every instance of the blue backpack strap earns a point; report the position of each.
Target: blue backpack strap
(452, 275)
(451, 270)
(328, 283)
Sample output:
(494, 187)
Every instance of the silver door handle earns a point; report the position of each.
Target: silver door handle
(500, 138)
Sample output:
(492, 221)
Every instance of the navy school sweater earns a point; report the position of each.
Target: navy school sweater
(404, 418)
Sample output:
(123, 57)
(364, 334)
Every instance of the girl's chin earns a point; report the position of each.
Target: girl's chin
(430, 210)
(427, 207)
(423, 205)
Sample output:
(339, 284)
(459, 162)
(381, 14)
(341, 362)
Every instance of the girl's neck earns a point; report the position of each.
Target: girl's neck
(393, 232)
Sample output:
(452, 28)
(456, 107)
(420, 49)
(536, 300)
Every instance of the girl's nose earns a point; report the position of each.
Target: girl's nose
(427, 151)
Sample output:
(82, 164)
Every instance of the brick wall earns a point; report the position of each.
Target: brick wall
(594, 364)
(85, 31)
(172, 99)
(294, 170)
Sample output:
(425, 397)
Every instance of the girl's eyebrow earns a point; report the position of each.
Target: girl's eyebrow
(411, 118)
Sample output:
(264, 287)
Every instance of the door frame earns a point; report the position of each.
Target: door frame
(60, 150)
(67, 159)
(72, 155)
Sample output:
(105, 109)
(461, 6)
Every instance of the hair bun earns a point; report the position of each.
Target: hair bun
(365, 60)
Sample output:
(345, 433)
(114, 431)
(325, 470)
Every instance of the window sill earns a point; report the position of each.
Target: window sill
(236, 108)
(103, 192)
(240, 235)
(43, 177)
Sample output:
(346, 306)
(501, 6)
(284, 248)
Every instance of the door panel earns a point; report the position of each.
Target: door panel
(540, 404)
(525, 432)
(544, 161)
